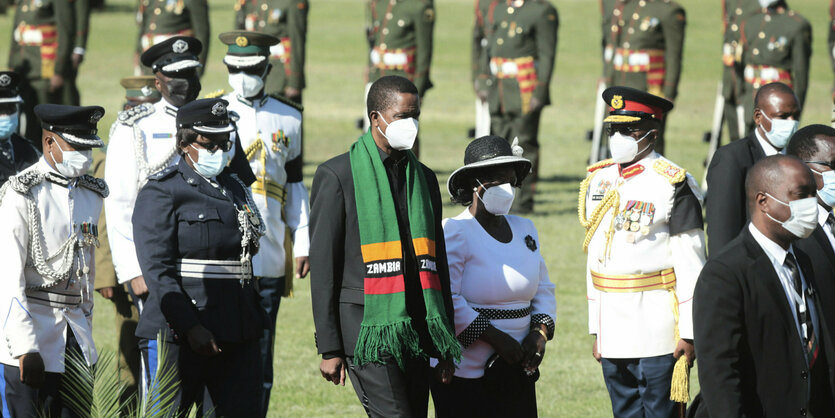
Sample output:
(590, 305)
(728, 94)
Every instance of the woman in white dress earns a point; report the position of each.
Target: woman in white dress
(504, 300)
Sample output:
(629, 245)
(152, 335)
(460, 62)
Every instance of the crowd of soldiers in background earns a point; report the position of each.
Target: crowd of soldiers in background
(513, 56)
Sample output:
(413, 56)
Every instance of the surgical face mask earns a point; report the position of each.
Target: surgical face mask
(827, 192)
(497, 199)
(8, 125)
(246, 85)
(624, 148)
(401, 133)
(182, 90)
(803, 219)
(209, 164)
(781, 131)
(73, 163)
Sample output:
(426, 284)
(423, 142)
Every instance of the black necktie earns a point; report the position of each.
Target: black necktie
(803, 317)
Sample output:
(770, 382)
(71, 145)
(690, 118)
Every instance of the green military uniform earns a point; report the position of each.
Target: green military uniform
(287, 21)
(400, 39)
(482, 29)
(522, 44)
(37, 53)
(162, 19)
(645, 41)
(734, 12)
(776, 46)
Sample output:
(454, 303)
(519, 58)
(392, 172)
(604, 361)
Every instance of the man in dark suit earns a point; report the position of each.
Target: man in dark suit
(339, 286)
(761, 343)
(777, 109)
(815, 145)
(16, 153)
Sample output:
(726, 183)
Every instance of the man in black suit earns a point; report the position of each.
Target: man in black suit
(761, 343)
(16, 153)
(815, 145)
(776, 115)
(338, 274)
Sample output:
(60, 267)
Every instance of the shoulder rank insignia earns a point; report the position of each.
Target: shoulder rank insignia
(600, 164)
(288, 102)
(162, 173)
(95, 184)
(632, 171)
(672, 172)
(217, 93)
(130, 116)
(22, 182)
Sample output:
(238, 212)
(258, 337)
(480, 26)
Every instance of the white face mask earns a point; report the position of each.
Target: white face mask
(827, 192)
(246, 85)
(625, 148)
(73, 163)
(803, 219)
(497, 199)
(781, 131)
(400, 133)
(209, 164)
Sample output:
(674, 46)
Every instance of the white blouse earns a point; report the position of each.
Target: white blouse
(486, 273)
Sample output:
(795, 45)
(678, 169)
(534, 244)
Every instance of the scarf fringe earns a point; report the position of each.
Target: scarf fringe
(398, 339)
(444, 340)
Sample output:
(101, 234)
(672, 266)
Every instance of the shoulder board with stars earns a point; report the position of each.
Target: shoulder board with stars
(600, 164)
(214, 94)
(95, 184)
(130, 116)
(163, 173)
(288, 102)
(672, 172)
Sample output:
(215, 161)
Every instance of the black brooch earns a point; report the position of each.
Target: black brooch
(530, 242)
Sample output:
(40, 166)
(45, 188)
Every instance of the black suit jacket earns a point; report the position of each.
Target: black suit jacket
(725, 209)
(751, 358)
(337, 271)
(820, 251)
(25, 155)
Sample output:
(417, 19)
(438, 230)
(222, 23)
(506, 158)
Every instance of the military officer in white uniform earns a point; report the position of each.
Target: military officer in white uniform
(645, 245)
(47, 238)
(142, 143)
(270, 131)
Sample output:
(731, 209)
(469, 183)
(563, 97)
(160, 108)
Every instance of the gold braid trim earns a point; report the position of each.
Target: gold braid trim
(251, 151)
(610, 200)
(600, 164)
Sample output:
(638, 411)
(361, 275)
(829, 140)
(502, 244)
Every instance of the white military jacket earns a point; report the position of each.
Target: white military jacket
(142, 142)
(47, 241)
(270, 133)
(668, 234)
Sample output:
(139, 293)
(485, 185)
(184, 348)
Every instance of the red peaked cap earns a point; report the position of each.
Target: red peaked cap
(628, 105)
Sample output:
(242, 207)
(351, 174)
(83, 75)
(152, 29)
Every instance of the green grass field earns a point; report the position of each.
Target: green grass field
(571, 383)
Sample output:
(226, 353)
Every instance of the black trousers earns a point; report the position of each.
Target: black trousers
(472, 398)
(232, 378)
(270, 289)
(386, 391)
(23, 401)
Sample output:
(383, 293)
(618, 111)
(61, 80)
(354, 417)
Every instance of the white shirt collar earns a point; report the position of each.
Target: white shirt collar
(774, 251)
(766, 146)
(823, 214)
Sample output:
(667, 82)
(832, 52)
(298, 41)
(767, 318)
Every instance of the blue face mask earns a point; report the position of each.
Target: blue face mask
(209, 164)
(8, 125)
(827, 192)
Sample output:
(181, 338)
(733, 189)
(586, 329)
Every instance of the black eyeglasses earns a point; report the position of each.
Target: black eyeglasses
(830, 164)
(627, 130)
(212, 147)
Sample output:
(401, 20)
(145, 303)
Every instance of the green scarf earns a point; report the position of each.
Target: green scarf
(386, 327)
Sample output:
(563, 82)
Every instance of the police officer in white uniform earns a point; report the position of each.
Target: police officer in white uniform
(47, 238)
(645, 244)
(142, 143)
(270, 132)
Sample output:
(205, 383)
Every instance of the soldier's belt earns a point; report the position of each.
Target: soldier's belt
(35, 35)
(759, 75)
(402, 59)
(269, 188)
(52, 299)
(638, 60)
(630, 283)
(150, 39)
(210, 269)
(512, 67)
(281, 51)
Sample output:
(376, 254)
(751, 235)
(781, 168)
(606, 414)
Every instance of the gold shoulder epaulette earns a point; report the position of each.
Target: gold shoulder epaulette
(600, 164)
(215, 94)
(672, 172)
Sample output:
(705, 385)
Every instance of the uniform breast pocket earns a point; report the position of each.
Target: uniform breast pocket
(195, 226)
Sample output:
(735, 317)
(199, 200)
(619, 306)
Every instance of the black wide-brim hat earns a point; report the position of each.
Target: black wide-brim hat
(487, 151)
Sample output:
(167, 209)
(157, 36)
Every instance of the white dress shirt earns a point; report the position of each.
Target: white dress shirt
(823, 215)
(768, 149)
